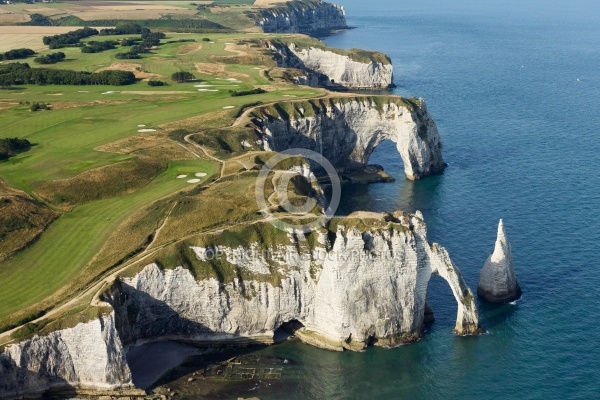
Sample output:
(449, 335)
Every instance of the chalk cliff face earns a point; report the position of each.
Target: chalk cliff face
(497, 280)
(89, 355)
(362, 281)
(304, 16)
(347, 130)
(364, 284)
(333, 70)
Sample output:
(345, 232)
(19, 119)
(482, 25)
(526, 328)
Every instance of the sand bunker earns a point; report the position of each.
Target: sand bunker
(146, 130)
(193, 181)
(207, 90)
(181, 176)
(232, 48)
(189, 48)
(141, 125)
(228, 107)
(131, 67)
(217, 69)
(155, 92)
(201, 174)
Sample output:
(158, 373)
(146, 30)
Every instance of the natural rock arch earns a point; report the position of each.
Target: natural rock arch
(466, 314)
(346, 131)
(440, 264)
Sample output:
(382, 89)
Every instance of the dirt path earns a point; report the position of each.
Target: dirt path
(206, 153)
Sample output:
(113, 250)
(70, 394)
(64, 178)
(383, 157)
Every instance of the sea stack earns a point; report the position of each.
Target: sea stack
(497, 280)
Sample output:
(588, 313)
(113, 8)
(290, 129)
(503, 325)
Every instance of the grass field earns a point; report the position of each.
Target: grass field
(85, 129)
(71, 242)
(30, 37)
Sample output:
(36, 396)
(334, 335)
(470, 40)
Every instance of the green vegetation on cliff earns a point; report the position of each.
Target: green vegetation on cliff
(291, 110)
(306, 42)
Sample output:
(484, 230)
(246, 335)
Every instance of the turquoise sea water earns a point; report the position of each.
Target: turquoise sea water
(515, 89)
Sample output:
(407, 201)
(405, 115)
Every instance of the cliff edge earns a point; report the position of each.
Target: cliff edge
(302, 16)
(346, 130)
(359, 281)
(333, 68)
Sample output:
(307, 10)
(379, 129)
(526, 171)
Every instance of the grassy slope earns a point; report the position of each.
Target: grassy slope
(71, 242)
(66, 139)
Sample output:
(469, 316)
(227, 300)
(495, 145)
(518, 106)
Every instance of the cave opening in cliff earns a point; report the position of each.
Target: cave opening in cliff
(441, 303)
(386, 155)
(287, 330)
(381, 196)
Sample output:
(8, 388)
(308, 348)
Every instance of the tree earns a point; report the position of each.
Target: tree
(183, 77)
(11, 146)
(16, 54)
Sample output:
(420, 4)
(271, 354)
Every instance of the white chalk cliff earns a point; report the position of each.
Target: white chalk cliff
(497, 280)
(327, 68)
(302, 16)
(87, 356)
(362, 281)
(346, 130)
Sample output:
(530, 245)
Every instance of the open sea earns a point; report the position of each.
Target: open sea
(515, 89)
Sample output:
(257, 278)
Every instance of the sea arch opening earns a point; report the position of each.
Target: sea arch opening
(441, 307)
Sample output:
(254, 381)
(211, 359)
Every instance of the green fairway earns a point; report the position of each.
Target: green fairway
(66, 141)
(73, 240)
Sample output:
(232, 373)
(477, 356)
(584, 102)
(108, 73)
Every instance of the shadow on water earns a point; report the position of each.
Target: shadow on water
(492, 315)
(160, 339)
(442, 303)
(403, 194)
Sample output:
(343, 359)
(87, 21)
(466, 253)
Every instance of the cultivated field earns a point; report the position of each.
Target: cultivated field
(30, 37)
(32, 41)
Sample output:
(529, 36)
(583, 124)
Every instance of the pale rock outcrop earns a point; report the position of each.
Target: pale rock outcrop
(497, 280)
(330, 69)
(347, 130)
(361, 281)
(89, 355)
(303, 16)
(367, 285)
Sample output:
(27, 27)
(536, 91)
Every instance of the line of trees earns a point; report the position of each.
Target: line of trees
(51, 58)
(11, 146)
(19, 74)
(70, 39)
(148, 40)
(97, 47)
(153, 83)
(235, 93)
(127, 28)
(127, 56)
(130, 42)
(16, 54)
